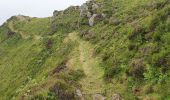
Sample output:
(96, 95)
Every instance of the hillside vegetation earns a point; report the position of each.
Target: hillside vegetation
(102, 50)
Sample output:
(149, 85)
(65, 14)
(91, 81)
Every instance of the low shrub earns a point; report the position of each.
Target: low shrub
(111, 72)
(137, 68)
(63, 91)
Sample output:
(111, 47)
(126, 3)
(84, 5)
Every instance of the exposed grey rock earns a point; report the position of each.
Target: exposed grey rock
(98, 97)
(91, 20)
(55, 13)
(88, 1)
(103, 15)
(95, 6)
(76, 7)
(83, 9)
(116, 96)
(89, 10)
(89, 15)
(78, 93)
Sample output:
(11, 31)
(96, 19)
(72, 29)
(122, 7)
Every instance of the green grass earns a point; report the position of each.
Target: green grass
(63, 52)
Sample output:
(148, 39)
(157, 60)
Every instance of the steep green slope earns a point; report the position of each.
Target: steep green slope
(103, 49)
(132, 41)
(28, 61)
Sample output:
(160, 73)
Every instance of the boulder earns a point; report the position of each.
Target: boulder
(95, 18)
(83, 10)
(92, 19)
(116, 96)
(89, 15)
(95, 6)
(78, 93)
(89, 10)
(55, 13)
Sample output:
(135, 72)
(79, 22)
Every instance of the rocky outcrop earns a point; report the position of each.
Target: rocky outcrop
(89, 10)
(70, 9)
(94, 7)
(55, 13)
(83, 10)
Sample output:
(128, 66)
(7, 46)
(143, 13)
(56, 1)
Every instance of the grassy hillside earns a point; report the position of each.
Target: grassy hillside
(125, 53)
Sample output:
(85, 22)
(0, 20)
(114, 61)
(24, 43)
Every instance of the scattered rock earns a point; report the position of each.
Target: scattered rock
(98, 97)
(91, 20)
(78, 93)
(116, 96)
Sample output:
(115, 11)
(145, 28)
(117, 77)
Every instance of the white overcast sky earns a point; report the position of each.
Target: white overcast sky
(34, 8)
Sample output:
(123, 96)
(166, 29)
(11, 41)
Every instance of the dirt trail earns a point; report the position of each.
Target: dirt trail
(93, 82)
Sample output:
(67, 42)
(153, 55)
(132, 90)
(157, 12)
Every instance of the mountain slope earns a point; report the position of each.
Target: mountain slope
(112, 49)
